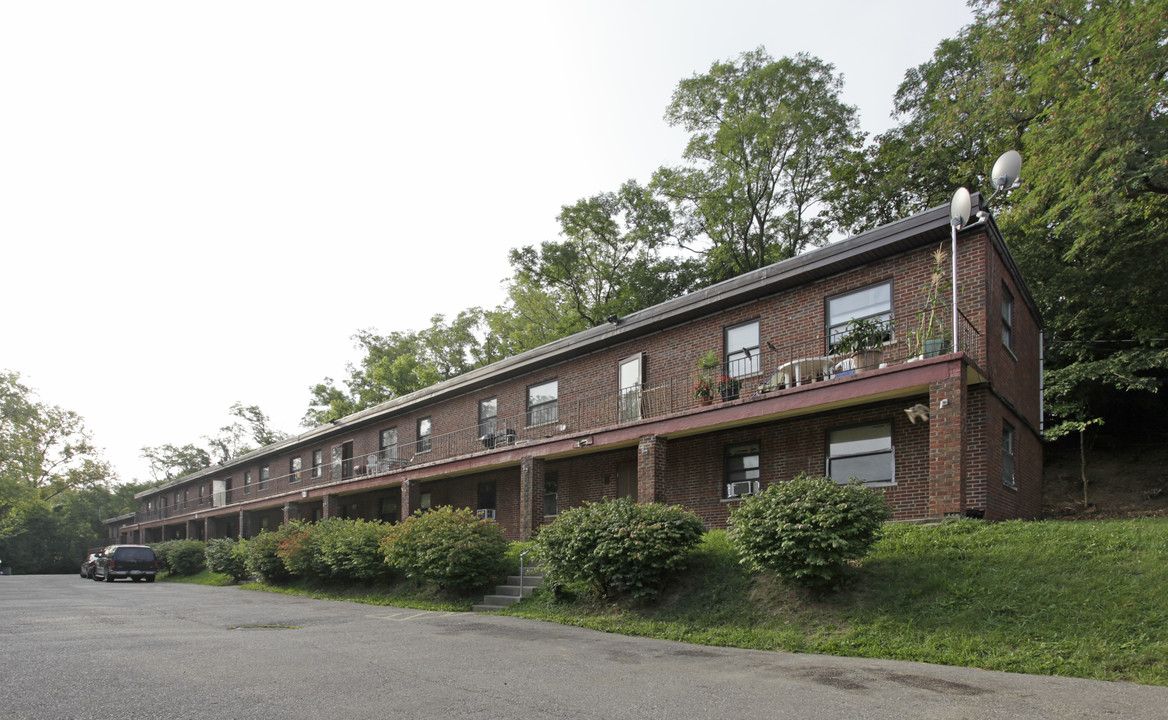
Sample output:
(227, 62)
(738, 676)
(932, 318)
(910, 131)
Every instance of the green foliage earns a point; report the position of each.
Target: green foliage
(863, 334)
(451, 548)
(619, 547)
(52, 483)
(351, 550)
(184, 557)
(1079, 88)
(1074, 599)
(403, 362)
(764, 134)
(299, 547)
(227, 557)
(808, 529)
(262, 560)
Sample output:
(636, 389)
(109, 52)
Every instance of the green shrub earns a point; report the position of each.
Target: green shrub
(619, 547)
(297, 548)
(808, 529)
(262, 561)
(351, 550)
(450, 548)
(225, 556)
(162, 553)
(186, 557)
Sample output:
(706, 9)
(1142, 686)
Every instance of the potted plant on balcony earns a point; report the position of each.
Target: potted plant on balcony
(707, 366)
(704, 390)
(863, 340)
(928, 338)
(728, 388)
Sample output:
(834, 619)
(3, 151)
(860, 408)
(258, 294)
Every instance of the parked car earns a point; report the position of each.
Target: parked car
(88, 564)
(136, 562)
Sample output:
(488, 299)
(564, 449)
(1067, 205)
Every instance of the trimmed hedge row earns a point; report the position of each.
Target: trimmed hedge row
(452, 549)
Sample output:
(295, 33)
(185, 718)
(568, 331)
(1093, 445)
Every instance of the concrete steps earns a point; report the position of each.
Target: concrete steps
(509, 594)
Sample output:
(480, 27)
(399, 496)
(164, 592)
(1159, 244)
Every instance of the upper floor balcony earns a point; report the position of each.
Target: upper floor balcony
(750, 374)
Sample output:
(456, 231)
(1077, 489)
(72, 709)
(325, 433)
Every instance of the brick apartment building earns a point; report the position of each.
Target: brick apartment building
(612, 412)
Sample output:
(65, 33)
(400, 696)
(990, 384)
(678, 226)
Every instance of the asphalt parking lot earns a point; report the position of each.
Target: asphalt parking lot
(79, 649)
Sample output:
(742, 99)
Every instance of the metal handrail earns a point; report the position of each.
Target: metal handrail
(744, 378)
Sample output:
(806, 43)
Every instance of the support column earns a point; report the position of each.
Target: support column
(651, 456)
(291, 511)
(948, 436)
(330, 506)
(244, 525)
(531, 476)
(411, 497)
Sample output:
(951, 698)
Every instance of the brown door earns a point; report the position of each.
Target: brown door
(626, 480)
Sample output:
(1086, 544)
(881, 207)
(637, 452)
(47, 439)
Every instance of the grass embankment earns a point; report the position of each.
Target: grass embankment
(1078, 599)
(1074, 599)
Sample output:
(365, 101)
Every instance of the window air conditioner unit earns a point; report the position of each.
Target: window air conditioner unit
(738, 489)
(487, 514)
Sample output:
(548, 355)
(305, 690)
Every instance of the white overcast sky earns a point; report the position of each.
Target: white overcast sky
(201, 202)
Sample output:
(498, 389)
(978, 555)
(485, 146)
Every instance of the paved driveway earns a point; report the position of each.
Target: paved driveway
(79, 649)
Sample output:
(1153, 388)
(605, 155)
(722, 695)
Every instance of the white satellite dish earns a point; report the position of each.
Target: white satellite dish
(960, 208)
(1007, 169)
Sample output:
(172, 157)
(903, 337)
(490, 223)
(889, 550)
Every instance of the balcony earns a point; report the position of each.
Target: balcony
(770, 371)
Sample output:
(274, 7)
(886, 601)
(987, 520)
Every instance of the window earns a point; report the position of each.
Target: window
(1008, 455)
(317, 463)
(1007, 318)
(246, 481)
(265, 475)
(742, 349)
(388, 509)
(424, 435)
(863, 452)
(200, 494)
(387, 444)
(874, 302)
(424, 501)
(630, 376)
(487, 497)
(543, 403)
(294, 466)
(551, 493)
(742, 470)
(488, 418)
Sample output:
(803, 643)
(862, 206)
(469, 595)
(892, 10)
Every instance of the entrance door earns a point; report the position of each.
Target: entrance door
(626, 480)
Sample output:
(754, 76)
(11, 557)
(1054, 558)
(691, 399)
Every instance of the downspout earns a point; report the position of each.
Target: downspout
(1041, 383)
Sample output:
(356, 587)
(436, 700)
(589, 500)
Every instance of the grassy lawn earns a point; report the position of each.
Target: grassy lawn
(1078, 599)
(1082, 599)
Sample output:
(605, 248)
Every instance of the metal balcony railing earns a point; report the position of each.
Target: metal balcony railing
(763, 371)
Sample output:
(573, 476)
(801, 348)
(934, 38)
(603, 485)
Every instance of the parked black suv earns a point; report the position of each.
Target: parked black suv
(126, 561)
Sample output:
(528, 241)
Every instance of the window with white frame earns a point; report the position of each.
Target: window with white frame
(862, 452)
(265, 475)
(294, 467)
(424, 434)
(387, 444)
(543, 403)
(742, 356)
(317, 464)
(488, 417)
(873, 302)
(1008, 455)
(741, 476)
(1007, 318)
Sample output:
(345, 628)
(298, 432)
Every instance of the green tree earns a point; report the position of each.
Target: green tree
(170, 462)
(53, 483)
(1079, 89)
(765, 134)
(609, 262)
(400, 363)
